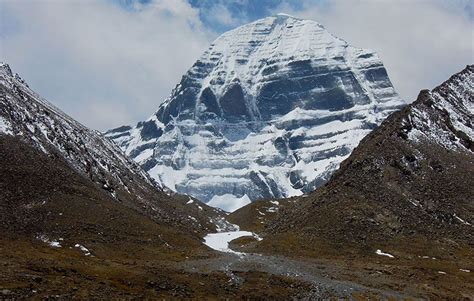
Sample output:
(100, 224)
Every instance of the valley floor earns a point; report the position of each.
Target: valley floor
(319, 284)
(38, 270)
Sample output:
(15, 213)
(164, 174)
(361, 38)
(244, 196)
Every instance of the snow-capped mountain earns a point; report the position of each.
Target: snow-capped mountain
(269, 110)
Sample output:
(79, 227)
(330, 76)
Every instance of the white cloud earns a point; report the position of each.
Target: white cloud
(220, 14)
(420, 42)
(101, 63)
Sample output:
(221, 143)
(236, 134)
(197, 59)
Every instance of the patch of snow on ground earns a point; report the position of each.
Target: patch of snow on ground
(55, 244)
(220, 241)
(83, 249)
(464, 270)
(52, 243)
(5, 126)
(379, 252)
(461, 220)
(273, 208)
(229, 202)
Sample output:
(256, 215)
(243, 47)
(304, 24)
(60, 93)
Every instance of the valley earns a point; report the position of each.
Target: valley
(284, 165)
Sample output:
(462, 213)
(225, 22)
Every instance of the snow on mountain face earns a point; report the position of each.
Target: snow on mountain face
(25, 114)
(445, 114)
(410, 177)
(269, 110)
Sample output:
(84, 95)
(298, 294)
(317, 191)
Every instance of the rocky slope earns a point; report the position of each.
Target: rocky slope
(269, 110)
(404, 196)
(28, 117)
(413, 174)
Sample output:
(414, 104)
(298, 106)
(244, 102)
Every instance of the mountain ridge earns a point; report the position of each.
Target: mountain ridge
(27, 116)
(412, 176)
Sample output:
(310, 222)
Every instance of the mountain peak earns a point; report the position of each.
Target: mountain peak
(444, 114)
(284, 16)
(257, 114)
(281, 26)
(5, 69)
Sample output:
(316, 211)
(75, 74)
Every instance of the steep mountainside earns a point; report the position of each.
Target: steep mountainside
(412, 175)
(400, 210)
(269, 110)
(33, 120)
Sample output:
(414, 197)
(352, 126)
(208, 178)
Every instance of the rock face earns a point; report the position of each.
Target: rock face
(269, 110)
(411, 179)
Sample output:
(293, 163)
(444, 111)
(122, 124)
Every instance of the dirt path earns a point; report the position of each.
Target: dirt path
(318, 276)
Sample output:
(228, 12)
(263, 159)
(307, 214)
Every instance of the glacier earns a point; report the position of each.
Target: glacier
(270, 110)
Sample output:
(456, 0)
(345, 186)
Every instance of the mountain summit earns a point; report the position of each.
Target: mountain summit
(269, 110)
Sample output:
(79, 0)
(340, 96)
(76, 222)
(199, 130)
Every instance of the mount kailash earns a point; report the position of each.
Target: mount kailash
(270, 110)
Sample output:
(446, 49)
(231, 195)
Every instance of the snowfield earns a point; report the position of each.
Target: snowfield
(220, 241)
(5, 126)
(229, 202)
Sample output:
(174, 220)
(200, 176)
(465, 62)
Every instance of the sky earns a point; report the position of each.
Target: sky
(112, 62)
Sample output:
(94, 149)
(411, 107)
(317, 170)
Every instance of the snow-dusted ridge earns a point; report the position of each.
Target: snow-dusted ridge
(444, 115)
(26, 115)
(269, 110)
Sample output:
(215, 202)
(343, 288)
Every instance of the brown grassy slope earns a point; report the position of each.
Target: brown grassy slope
(258, 214)
(42, 195)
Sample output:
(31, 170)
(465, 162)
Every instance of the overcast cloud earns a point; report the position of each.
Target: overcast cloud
(108, 64)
